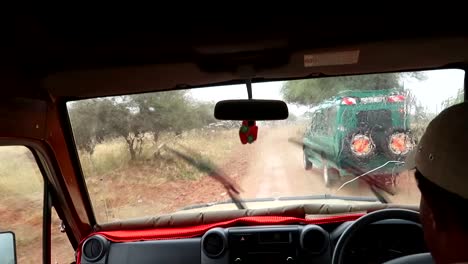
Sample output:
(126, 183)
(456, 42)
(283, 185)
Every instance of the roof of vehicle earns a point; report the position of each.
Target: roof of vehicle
(61, 54)
(336, 100)
(366, 93)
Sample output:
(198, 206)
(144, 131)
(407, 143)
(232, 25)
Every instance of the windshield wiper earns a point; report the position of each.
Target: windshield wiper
(370, 171)
(203, 205)
(287, 198)
(208, 167)
(328, 196)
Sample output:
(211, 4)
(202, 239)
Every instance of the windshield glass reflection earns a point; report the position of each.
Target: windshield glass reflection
(155, 153)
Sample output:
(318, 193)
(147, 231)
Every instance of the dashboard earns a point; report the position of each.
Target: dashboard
(379, 242)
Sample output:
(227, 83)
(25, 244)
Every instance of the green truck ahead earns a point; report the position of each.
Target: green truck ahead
(356, 132)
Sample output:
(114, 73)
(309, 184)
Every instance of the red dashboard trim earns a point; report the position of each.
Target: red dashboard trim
(193, 231)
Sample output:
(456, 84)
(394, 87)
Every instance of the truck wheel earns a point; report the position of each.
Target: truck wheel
(386, 143)
(306, 162)
(347, 152)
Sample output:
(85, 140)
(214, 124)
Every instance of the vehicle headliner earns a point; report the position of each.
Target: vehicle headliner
(88, 56)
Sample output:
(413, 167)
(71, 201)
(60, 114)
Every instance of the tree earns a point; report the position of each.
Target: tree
(87, 118)
(134, 117)
(313, 91)
(459, 98)
(171, 111)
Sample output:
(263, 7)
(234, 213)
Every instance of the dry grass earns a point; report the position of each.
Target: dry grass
(19, 174)
(120, 188)
(108, 156)
(21, 205)
(113, 155)
(21, 188)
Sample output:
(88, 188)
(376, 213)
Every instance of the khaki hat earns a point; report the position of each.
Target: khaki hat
(442, 153)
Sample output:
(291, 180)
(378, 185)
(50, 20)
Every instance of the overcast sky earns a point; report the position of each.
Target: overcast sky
(440, 85)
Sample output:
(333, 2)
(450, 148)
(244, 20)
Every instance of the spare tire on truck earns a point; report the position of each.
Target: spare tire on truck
(397, 144)
(358, 146)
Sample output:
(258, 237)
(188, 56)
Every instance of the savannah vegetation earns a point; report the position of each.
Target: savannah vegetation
(135, 130)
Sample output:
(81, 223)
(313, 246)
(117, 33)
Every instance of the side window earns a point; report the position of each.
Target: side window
(320, 126)
(61, 249)
(331, 120)
(313, 123)
(21, 201)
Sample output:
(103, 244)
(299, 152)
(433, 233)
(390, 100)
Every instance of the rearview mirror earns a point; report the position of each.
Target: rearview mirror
(253, 109)
(7, 248)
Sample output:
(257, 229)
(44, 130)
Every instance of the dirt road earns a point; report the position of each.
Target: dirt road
(276, 169)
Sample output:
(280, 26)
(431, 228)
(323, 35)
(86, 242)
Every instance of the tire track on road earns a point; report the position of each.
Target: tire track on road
(276, 168)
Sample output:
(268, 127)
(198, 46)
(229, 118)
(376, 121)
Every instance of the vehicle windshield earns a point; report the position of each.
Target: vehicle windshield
(345, 141)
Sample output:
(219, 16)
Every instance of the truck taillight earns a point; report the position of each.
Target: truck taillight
(396, 98)
(400, 143)
(348, 101)
(361, 145)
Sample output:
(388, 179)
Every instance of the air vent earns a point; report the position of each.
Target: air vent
(214, 243)
(95, 248)
(314, 239)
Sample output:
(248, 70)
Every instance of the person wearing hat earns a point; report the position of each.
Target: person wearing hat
(440, 161)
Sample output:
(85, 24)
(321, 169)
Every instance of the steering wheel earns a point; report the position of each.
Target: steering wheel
(355, 228)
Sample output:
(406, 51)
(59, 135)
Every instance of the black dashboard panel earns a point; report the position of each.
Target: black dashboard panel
(161, 252)
(263, 244)
(277, 244)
